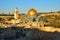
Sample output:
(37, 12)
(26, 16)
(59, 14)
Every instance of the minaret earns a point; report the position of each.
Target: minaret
(16, 13)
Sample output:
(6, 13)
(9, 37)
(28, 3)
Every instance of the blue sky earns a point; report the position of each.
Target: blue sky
(25, 5)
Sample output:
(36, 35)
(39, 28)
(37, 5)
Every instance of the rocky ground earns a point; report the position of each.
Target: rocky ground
(20, 33)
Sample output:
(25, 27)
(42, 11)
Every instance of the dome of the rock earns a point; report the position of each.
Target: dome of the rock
(32, 12)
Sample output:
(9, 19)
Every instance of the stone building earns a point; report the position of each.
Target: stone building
(32, 15)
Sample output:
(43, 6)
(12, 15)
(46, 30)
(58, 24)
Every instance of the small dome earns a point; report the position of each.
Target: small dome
(32, 12)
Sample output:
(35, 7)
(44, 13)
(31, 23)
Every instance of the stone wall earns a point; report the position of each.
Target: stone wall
(50, 29)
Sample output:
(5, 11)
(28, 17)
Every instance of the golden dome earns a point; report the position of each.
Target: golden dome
(32, 12)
